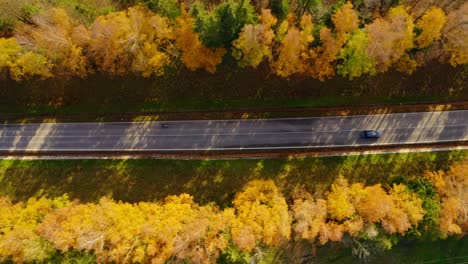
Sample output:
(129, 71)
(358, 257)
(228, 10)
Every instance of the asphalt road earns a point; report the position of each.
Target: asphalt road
(315, 132)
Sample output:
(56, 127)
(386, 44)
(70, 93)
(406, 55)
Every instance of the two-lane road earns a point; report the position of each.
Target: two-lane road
(313, 132)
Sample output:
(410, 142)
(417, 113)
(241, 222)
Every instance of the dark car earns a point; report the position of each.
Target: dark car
(370, 134)
(164, 125)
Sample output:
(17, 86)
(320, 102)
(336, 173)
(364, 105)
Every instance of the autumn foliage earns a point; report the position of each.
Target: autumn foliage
(147, 39)
(255, 41)
(261, 216)
(178, 229)
(452, 189)
(194, 54)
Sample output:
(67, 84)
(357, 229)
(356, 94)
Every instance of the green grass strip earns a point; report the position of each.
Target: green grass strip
(207, 180)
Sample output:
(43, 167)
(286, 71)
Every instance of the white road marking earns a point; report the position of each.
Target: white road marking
(231, 148)
(259, 119)
(138, 135)
(227, 134)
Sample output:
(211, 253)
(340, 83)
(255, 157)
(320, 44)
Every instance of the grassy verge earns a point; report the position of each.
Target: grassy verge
(207, 180)
(230, 89)
(217, 105)
(233, 114)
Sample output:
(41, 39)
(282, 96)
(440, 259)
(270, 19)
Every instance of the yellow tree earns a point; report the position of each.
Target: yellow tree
(396, 221)
(111, 40)
(396, 211)
(346, 21)
(406, 64)
(204, 238)
(452, 189)
(77, 226)
(354, 226)
(457, 181)
(282, 30)
(430, 24)
(437, 180)
(255, 41)
(372, 202)
(18, 222)
(309, 216)
(293, 52)
(194, 54)
(9, 51)
(409, 202)
(451, 183)
(289, 59)
(123, 238)
(261, 216)
(112, 230)
(129, 41)
(454, 36)
(390, 38)
(331, 231)
(138, 233)
(153, 237)
(452, 211)
(53, 36)
(356, 59)
(22, 65)
(181, 229)
(340, 200)
(324, 55)
(406, 211)
(157, 49)
(30, 65)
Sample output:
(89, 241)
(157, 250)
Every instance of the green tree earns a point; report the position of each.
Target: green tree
(356, 59)
(85, 11)
(166, 8)
(430, 203)
(280, 8)
(451, 189)
(308, 6)
(220, 27)
(16, 13)
(345, 21)
(194, 54)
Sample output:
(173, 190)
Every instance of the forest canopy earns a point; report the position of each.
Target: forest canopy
(317, 39)
(259, 219)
